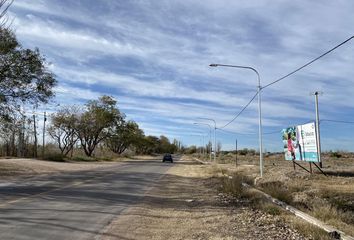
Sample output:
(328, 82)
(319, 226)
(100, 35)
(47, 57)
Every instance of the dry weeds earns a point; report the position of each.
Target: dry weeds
(329, 198)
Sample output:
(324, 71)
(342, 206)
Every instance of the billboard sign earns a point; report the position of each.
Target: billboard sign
(300, 143)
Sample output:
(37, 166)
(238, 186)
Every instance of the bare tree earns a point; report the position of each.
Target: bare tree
(218, 147)
(62, 129)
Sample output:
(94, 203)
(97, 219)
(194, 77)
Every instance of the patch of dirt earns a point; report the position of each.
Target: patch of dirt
(186, 205)
(22, 166)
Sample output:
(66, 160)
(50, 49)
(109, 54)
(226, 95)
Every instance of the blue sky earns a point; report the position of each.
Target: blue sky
(153, 57)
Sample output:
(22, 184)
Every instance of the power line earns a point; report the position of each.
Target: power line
(337, 121)
(274, 132)
(309, 63)
(243, 109)
(287, 75)
(238, 133)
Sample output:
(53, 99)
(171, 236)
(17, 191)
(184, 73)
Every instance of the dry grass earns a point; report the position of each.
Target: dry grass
(233, 185)
(328, 198)
(335, 217)
(278, 191)
(271, 208)
(306, 229)
(318, 195)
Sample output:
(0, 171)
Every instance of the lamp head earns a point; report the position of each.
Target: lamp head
(213, 65)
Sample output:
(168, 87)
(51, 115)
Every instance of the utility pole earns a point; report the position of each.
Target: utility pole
(318, 128)
(236, 154)
(203, 153)
(21, 140)
(44, 120)
(35, 136)
(19, 150)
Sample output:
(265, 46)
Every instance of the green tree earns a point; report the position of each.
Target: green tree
(165, 146)
(23, 75)
(191, 149)
(97, 122)
(123, 136)
(147, 145)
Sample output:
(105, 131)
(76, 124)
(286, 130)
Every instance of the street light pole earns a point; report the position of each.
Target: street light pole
(197, 123)
(259, 110)
(210, 119)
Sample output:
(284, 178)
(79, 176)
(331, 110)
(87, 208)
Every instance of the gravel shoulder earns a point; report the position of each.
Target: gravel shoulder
(185, 204)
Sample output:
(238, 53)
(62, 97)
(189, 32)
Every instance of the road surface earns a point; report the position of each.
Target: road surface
(74, 205)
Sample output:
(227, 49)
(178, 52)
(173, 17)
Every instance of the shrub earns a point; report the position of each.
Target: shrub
(233, 185)
(335, 154)
(55, 157)
(271, 209)
(83, 159)
(278, 191)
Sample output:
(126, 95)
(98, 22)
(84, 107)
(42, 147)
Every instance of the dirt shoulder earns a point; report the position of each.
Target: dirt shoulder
(15, 167)
(185, 204)
(23, 167)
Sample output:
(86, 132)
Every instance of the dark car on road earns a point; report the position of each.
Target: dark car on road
(167, 158)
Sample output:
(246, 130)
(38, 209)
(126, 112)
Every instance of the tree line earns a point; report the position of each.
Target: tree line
(100, 122)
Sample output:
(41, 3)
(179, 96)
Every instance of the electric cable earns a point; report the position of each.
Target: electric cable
(309, 63)
(287, 75)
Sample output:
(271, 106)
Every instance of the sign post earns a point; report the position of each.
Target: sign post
(318, 130)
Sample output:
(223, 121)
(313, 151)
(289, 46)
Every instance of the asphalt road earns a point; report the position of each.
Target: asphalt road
(74, 205)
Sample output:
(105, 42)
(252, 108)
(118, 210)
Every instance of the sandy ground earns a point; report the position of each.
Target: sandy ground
(21, 167)
(185, 204)
(14, 167)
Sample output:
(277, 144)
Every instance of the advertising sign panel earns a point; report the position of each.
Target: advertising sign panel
(300, 143)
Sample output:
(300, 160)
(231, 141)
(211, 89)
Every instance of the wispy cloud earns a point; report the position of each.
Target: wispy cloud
(153, 56)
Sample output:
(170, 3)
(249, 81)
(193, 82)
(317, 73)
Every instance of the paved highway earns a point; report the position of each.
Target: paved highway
(74, 205)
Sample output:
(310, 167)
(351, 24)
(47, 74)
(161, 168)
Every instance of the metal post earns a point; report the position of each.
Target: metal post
(260, 128)
(211, 147)
(259, 109)
(214, 142)
(214, 135)
(236, 154)
(318, 129)
(203, 152)
(44, 120)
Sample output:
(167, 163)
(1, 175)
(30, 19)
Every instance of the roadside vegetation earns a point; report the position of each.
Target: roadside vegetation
(328, 198)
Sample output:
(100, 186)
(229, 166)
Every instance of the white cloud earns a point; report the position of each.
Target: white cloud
(174, 42)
